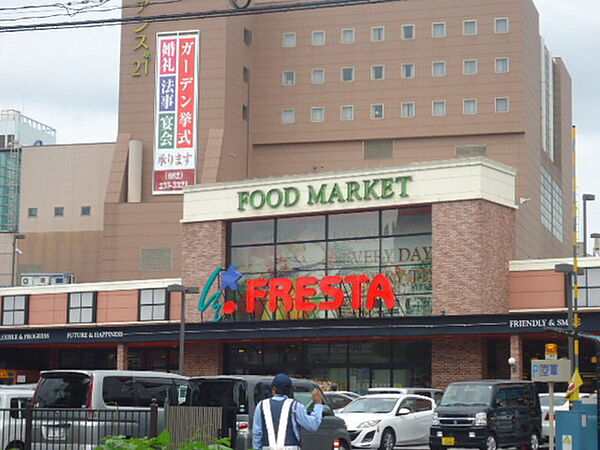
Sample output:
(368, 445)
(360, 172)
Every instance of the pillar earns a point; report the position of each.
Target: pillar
(516, 351)
(458, 359)
(122, 356)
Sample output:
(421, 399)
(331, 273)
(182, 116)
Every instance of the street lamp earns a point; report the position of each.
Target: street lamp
(14, 257)
(586, 198)
(184, 290)
(567, 269)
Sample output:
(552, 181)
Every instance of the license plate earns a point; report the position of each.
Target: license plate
(447, 441)
(55, 433)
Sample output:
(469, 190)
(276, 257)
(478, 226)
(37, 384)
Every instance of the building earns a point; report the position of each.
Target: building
(392, 157)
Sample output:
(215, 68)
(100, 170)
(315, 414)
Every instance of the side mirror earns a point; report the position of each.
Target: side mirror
(403, 412)
(327, 411)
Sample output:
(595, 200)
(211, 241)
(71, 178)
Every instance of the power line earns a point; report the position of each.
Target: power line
(266, 9)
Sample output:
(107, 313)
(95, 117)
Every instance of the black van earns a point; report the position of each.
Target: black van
(238, 395)
(487, 414)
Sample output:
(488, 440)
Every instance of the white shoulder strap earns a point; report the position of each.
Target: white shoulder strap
(269, 421)
(283, 421)
(276, 442)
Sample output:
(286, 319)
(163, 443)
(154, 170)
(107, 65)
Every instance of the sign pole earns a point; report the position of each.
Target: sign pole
(551, 413)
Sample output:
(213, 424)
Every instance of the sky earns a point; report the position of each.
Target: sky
(69, 79)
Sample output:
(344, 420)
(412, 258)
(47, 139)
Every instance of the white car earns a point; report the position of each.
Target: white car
(13, 400)
(560, 404)
(382, 421)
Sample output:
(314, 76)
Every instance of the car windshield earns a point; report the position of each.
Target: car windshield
(373, 405)
(559, 400)
(63, 391)
(223, 393)
(467, 395)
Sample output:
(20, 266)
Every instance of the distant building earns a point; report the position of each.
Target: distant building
(17, 128)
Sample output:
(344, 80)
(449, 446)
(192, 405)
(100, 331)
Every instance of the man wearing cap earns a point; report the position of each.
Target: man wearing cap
(277, 420)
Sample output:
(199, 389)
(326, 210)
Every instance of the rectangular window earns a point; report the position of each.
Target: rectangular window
(318, 76)
(347, 73)
(438, 29)
(470, 67)
(438, 68)
(245, 112)
(378, 149)
(377, 34)
(469, 27)
(86, 210)
(408, 109)
(377, 111)
(377, 72)
(154, 304)
(318, 38)
(288, 40)
(288, 77)
(59, 211)
(288, 116)
(348, 36)
(408, 70)
(247, 36)
(408, 32)
(502, 65)
(438, 108)
(32, 212)
(82, 307)
(347, 112)
(317, 114)
(502, 105)
(501, 25)
(15, 310)
(470, 106)
(246, 74)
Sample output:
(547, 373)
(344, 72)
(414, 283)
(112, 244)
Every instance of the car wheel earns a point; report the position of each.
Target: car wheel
(490, 443)
(388, 440)
(534, 442)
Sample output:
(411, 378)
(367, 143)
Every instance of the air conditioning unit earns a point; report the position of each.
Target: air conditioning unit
(45, 279)
(26, 280)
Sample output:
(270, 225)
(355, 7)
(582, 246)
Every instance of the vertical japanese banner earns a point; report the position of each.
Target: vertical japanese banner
(176, 112)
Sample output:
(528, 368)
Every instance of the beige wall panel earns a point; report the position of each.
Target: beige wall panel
(541, 289)
(48, 309)
(117, 306)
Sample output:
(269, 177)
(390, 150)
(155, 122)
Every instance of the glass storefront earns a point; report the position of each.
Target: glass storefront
(352, 365)
(395, 242)
(149, 358)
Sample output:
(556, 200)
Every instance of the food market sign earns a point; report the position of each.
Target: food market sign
(383, 187)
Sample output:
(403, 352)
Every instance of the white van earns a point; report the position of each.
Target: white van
(77, 408)
(13, 400)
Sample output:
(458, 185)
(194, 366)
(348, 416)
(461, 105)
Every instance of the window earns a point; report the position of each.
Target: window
(438, 108)
(470, 67)
(348, 36)
(245, 112)
(378, 149)
(552, 205)
(154, 304)
(247, 36)
(377, 72)
(502, 65)
(470, 106)
(289, 40)
(469, 27)
(501, 25)
(32, 212)
(318, 38)
(408, 70)
(408, 31)
(317, 114)
(438, 29)
(347, 112)
(438, 68)
(246, 74)
(347, 73)
(502, 105)
(377, 34)
(288, 116)
(59, 211)
(82, 307)
(377, 111)
(408, 109)
(318, 76)
(86, 210)
(15, 310)
(288, 77)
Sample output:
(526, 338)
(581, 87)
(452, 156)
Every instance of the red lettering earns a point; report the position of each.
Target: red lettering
(253, 292)
(356, 281)
(381, 288)
(280, 288)
(303, 290)
(329, 290)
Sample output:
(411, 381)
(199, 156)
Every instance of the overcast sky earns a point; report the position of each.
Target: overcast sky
(68, 79)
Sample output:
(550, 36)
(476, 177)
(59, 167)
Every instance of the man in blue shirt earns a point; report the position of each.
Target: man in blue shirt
(277, 420)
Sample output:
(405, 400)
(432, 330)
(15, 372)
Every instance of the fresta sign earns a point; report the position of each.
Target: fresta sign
(325, 193)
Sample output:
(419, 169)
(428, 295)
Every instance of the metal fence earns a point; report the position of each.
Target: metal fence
(85, 429)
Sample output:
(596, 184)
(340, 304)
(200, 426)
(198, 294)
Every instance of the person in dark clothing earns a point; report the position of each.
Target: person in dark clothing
(277, 420)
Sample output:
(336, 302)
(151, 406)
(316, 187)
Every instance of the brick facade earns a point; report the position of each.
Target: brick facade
(203, 358)
(122, 356)
(516, 351)
(457, 359)
(473, 242)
